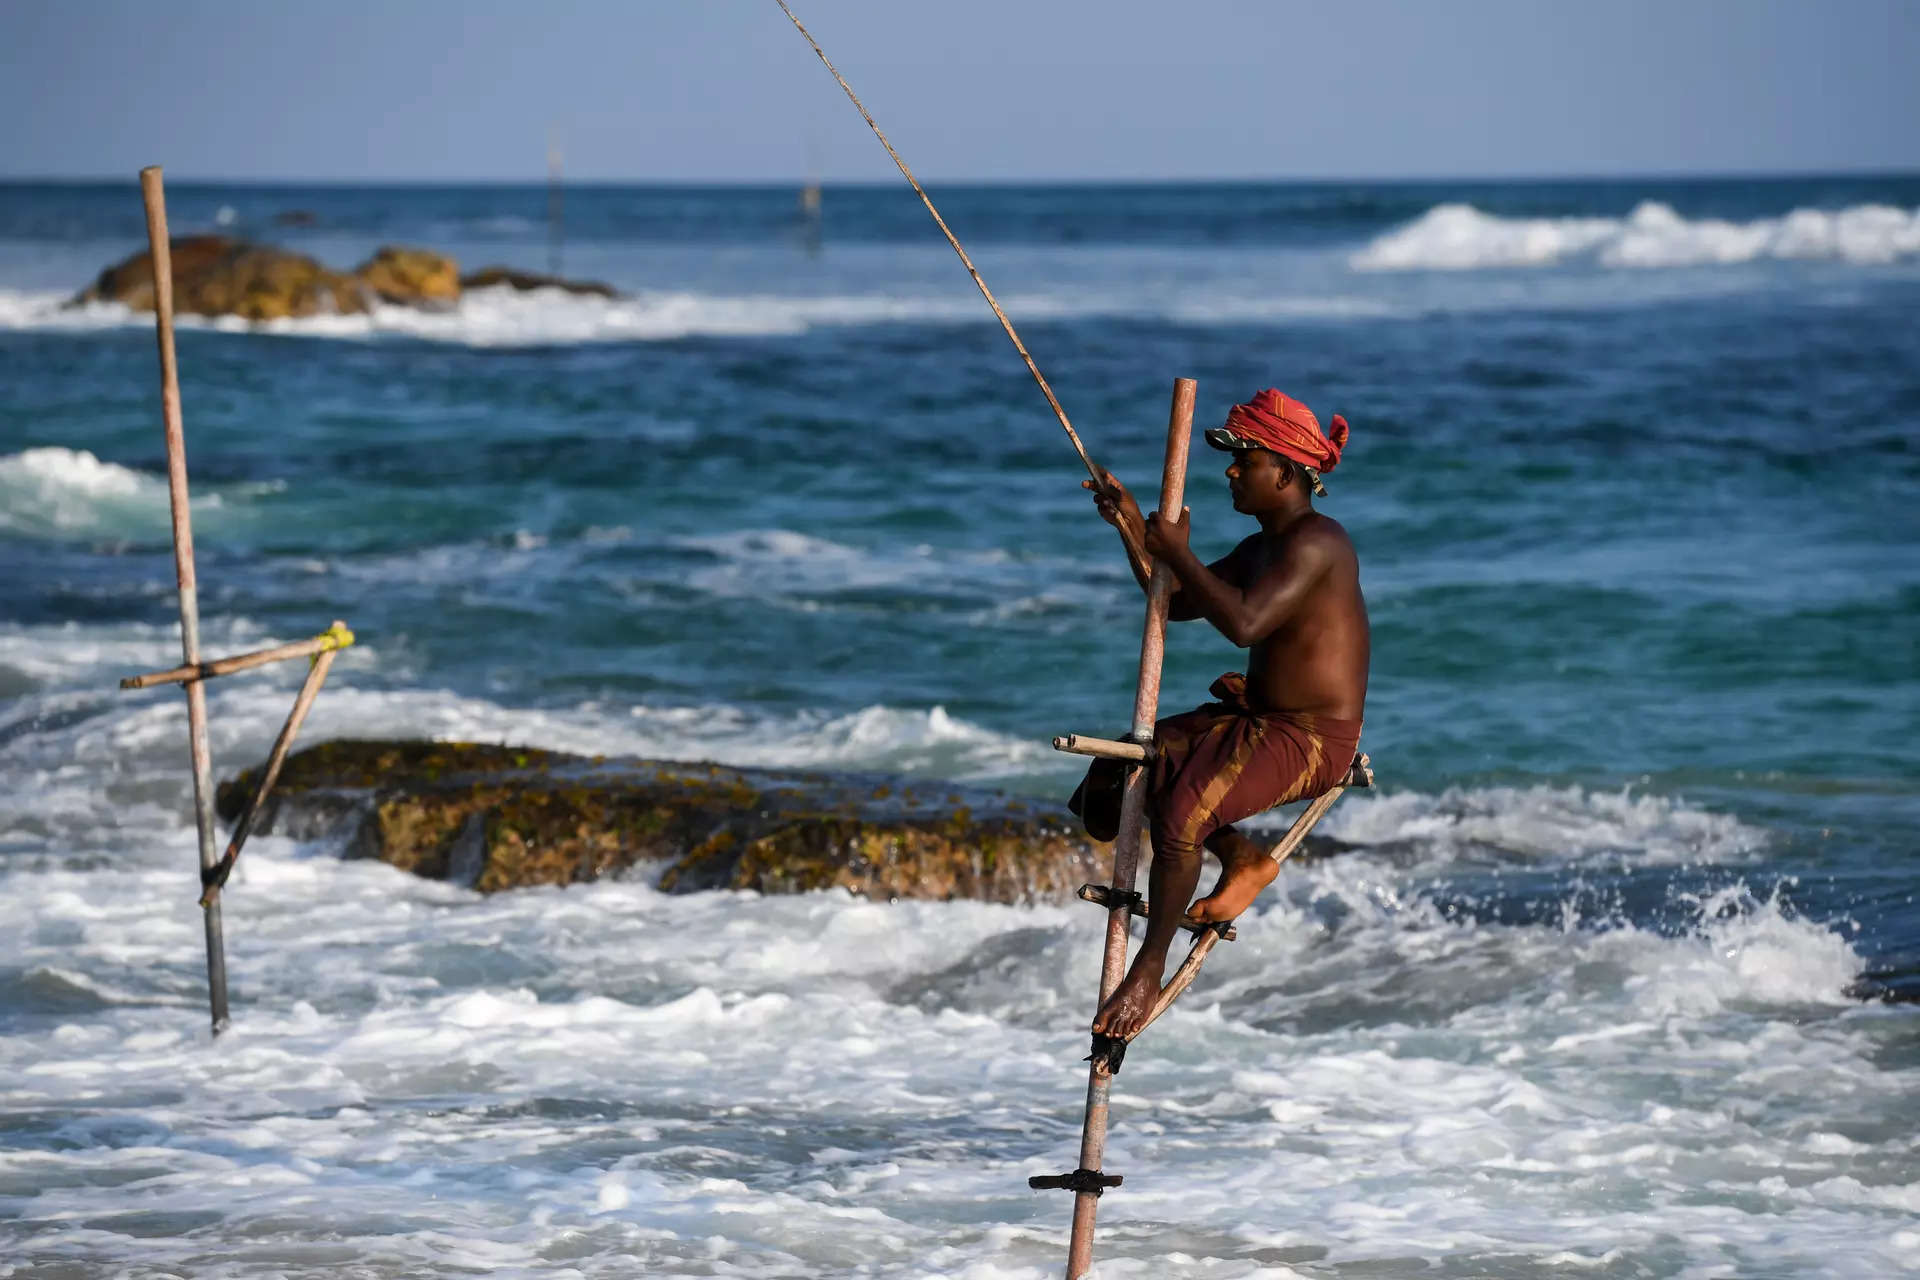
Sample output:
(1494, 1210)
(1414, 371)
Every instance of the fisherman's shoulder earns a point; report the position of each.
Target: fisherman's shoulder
(1313, 545)
(1253, 544)
(1322, 526)
(1313, 534)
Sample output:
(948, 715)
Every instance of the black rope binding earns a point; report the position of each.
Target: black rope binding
(215, 876)
(1107, 896)
(1108, 1051)
(1091, 1181)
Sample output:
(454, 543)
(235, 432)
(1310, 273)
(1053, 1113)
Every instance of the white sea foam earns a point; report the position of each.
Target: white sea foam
(508, 317)
(1745, 952)
(73, 655)
(505, 317)
(610, 1080)
(1544, 823)
(1459, 237)
(431, 1081)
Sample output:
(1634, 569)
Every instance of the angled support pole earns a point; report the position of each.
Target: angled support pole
(153, 192)
(214, 878)
(1087, 1181)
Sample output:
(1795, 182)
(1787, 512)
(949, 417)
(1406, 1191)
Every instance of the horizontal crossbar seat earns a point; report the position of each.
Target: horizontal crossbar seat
(1359, 774)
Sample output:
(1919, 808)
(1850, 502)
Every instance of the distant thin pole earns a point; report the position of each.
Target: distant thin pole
(554, 234)
(153, 191)
(1099, 478)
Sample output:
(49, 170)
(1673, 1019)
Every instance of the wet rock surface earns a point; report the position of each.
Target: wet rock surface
(225, 276)
(498, 817)
(411, 277)
(220, 276)
(525, 281)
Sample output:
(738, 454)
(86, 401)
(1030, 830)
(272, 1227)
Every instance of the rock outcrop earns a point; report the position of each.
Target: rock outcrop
(221, 276)
(497, 818)
(413, 277)
(497, 277)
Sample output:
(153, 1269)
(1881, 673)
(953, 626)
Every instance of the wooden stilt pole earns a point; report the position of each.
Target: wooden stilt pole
(1126, 849)
(153, 191)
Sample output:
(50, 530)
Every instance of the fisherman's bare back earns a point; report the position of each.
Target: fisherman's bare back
(1289, 594)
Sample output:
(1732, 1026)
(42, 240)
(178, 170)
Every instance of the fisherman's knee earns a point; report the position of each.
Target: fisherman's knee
(1175, 845)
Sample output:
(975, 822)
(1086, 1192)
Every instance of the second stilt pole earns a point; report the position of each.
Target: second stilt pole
(153, 191)
(1126, 849)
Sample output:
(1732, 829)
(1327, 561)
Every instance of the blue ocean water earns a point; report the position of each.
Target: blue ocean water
(1634, 479)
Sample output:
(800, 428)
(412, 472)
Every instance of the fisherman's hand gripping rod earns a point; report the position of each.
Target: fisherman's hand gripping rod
(1136, 550)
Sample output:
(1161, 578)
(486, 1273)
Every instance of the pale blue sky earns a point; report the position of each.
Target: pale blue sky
(683, 90)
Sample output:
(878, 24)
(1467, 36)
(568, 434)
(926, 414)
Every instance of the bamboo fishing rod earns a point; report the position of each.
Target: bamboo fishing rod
(1134, 547)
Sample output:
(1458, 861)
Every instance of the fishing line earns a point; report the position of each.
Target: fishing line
(1099, 476)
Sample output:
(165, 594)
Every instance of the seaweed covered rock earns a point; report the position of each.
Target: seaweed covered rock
(497, 817)
(413, 277)
(221, 276)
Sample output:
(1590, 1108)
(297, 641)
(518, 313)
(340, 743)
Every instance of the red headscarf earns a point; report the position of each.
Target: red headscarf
(1284, 425)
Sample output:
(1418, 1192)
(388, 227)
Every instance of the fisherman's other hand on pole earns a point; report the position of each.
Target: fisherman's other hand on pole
(1165, 539)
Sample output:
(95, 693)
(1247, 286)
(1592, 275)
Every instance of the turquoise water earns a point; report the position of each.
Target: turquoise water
(1633, 479)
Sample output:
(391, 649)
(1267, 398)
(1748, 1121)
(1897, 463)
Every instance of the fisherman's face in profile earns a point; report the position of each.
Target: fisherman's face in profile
(1257, 479)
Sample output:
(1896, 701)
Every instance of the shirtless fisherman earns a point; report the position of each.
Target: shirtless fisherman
(1285, 731)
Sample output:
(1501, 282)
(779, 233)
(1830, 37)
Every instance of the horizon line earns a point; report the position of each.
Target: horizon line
(784, 183)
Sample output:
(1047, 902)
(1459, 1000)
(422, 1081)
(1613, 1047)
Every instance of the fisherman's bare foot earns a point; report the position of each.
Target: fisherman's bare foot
(1126, 1010)
(1245, 870)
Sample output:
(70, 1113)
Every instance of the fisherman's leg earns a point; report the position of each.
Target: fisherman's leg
(1190, 750)
(1170, 884)
(1281, 761)
(1245, 870)
(1179, 824)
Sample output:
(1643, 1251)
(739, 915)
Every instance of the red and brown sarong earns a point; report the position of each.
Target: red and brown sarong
(1221, 762)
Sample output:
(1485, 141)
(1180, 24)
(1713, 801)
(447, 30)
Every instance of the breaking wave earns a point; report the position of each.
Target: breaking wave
(549, 317)
(1459, 237)
(55, 492)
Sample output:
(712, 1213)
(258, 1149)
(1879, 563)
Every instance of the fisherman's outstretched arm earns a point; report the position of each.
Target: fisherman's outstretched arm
(1244, 615)
(1118, 508)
